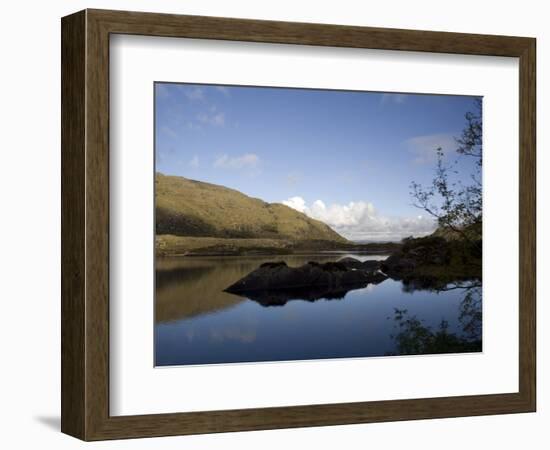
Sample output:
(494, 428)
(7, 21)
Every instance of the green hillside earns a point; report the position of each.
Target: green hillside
(193, 209)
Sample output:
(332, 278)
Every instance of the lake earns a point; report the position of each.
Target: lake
(196, 322)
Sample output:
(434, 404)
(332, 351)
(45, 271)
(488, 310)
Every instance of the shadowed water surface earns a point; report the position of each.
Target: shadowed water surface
(196, 322)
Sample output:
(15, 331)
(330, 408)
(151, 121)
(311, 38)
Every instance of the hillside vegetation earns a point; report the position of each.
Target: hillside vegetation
(193, 215)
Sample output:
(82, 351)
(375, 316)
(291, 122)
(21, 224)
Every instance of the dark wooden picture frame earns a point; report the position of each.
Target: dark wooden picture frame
(85, 224)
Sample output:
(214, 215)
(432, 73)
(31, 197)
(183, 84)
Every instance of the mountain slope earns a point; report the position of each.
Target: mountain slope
(195, 209)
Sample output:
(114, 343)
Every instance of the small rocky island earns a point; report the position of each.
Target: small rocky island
(278, 275)
(276, 283)
(431, 262)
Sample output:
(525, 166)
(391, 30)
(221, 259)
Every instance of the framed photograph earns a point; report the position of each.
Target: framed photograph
(272, 224)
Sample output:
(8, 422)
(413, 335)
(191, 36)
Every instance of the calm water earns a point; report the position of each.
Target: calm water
(198, 323)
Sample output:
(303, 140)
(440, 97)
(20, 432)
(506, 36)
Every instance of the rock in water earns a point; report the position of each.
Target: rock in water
(352, 263)
(277, 275)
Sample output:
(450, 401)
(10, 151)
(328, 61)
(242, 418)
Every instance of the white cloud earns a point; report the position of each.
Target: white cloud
(424, 148)
(297, 203)
(360, 220)
(194, 163)
(245, 161)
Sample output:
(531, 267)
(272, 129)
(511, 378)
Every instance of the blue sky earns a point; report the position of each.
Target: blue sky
(347, 158)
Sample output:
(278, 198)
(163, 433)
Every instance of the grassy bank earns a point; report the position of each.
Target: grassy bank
(170, 245)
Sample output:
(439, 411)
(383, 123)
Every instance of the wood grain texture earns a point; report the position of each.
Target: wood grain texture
(85, 224)
(73, 111)
(152, 24)
(527, 224)
(97, 225)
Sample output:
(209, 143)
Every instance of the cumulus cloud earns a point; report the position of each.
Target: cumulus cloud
(297, 203)
(424, 148)
(247, 160)
(360, 221)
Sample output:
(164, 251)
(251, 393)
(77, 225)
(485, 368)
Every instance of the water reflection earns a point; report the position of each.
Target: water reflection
(413, 337)
(280, 297)
(188, 287)
(198, 323)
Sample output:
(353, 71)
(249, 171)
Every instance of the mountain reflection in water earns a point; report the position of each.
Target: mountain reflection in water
(196, 322)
